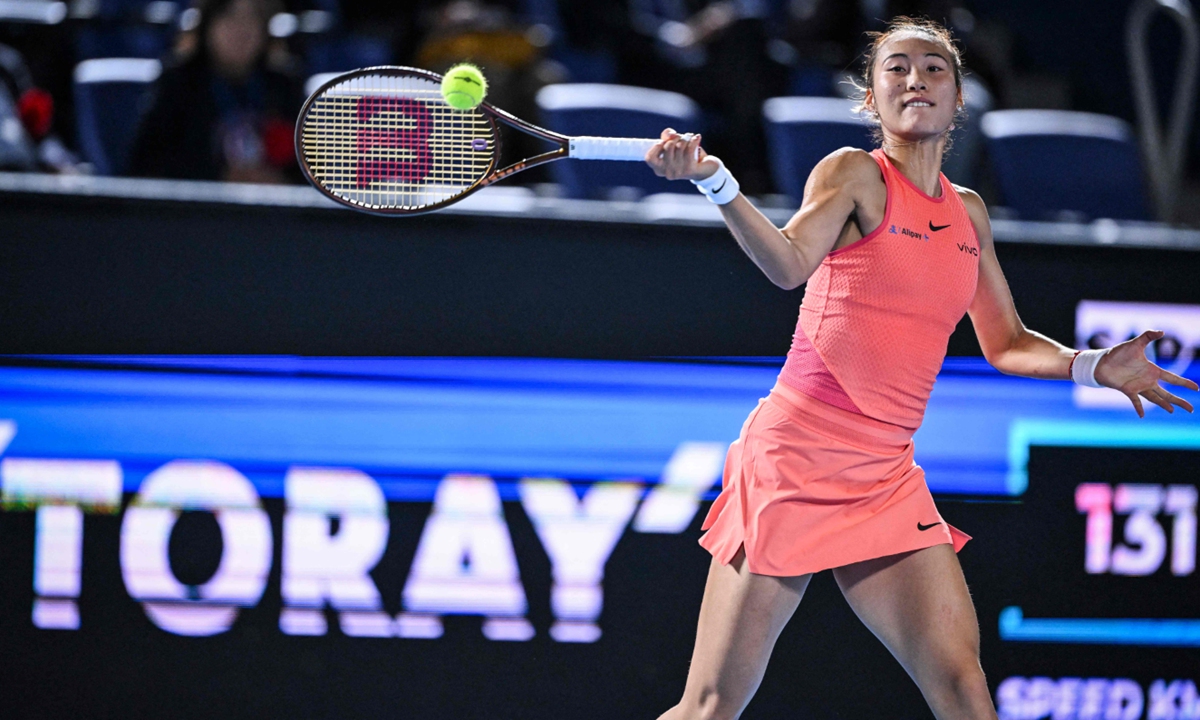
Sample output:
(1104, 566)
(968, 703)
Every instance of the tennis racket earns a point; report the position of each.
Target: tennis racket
(382, 140)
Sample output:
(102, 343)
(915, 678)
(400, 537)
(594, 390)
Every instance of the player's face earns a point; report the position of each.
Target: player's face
(914, 89)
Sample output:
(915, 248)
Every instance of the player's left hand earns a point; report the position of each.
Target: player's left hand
(1126, 368)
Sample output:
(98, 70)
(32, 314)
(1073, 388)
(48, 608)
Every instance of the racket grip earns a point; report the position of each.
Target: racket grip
(606, 148)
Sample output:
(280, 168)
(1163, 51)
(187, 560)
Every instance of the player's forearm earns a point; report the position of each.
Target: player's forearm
(765, 244)
(1031, 354)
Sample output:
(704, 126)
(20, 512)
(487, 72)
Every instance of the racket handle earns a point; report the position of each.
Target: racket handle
(606, 148)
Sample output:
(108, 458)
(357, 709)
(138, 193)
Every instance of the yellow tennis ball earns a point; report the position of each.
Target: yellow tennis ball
(464, 86)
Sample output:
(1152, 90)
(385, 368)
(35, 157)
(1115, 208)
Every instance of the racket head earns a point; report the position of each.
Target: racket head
(383, 140)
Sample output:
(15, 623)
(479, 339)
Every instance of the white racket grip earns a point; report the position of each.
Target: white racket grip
(606, 148)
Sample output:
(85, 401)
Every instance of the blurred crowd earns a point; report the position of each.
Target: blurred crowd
(233, 71)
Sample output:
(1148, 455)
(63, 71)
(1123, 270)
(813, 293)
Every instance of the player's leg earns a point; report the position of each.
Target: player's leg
(741, 616)
(917, 603)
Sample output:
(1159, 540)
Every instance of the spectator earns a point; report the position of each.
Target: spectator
(222, 112)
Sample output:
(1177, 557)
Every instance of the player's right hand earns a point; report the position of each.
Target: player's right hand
(680, 157)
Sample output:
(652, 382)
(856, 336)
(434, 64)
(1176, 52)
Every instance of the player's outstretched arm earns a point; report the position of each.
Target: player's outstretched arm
(788, 256)
(1013, 349)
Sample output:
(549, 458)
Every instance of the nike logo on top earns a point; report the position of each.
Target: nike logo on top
(935, 228)
(923, 528)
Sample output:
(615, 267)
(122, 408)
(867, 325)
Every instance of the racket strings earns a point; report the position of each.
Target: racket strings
(392, 142)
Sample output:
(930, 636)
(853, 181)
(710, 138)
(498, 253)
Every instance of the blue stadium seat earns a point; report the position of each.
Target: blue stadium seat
(1048, 161)
(341, 52)
(582, 65)
(127, 28)
(614, 111)
(803, 130)
(108, 100)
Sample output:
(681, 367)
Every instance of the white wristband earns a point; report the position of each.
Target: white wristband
(720, 187)
(1083, 368)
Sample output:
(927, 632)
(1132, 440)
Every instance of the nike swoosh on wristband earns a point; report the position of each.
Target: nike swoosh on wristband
(923, 528)
(714, 192)
(936, 228)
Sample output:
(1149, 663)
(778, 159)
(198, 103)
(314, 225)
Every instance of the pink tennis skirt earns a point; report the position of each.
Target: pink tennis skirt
(809, 486)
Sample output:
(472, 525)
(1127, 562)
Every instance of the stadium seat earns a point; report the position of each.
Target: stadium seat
(803, 130)
(108, 100)
(961, 162)
(582, 65)
(615, 111)
(315, 81)
(1049, 161)
(340, 52)
(125, 28)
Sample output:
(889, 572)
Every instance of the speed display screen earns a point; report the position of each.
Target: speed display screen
(482, 537)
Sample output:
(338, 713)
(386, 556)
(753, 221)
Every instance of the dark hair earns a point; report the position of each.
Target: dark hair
(210, 10)
(933, 31)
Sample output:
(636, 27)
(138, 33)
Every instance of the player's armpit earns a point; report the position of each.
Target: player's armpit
(835, 189)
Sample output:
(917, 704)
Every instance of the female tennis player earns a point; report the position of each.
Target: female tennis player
(822, 476)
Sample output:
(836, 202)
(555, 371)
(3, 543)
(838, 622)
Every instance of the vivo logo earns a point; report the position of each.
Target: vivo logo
(968, 249)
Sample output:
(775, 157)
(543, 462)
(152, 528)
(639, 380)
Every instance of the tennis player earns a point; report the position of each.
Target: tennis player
(822, 475)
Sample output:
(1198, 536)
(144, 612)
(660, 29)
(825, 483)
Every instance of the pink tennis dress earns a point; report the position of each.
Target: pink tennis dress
(822, 474)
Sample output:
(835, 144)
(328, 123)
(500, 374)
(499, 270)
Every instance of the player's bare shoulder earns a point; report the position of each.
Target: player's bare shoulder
(846, 166)
(977, 210)
(848, 170)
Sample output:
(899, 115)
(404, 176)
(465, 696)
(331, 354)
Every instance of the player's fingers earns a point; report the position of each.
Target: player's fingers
(655, 159)
(1137, 404)
(1156, 397)
(668, 133)
(654, 155)
(1148, 337)
(1168, 376)
(1176, 400)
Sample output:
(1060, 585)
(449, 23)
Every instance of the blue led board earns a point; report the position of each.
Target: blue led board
(351, 514)
(409, 421)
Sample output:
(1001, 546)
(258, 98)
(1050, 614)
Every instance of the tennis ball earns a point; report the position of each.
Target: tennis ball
(463, 86)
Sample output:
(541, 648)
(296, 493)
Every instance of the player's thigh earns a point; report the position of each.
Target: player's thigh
(741, 617)
(918, 605)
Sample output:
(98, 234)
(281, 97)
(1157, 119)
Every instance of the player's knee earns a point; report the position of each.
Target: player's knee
(963, 677)
(712, 704)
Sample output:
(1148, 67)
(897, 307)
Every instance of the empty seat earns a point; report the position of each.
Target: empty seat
(613, 111)
(125, 28)
(108, 101)
(1049, 161)
(314, 82)
(803, 130)
(340, 52)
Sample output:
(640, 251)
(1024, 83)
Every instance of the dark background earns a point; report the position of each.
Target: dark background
(95, 275)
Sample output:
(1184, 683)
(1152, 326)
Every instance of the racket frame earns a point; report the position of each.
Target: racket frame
(490, 112)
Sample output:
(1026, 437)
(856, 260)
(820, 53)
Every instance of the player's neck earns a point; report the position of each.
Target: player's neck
(919, 161)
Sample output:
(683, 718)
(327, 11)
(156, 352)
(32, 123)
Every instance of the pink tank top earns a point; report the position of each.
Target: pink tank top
(877, 314)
